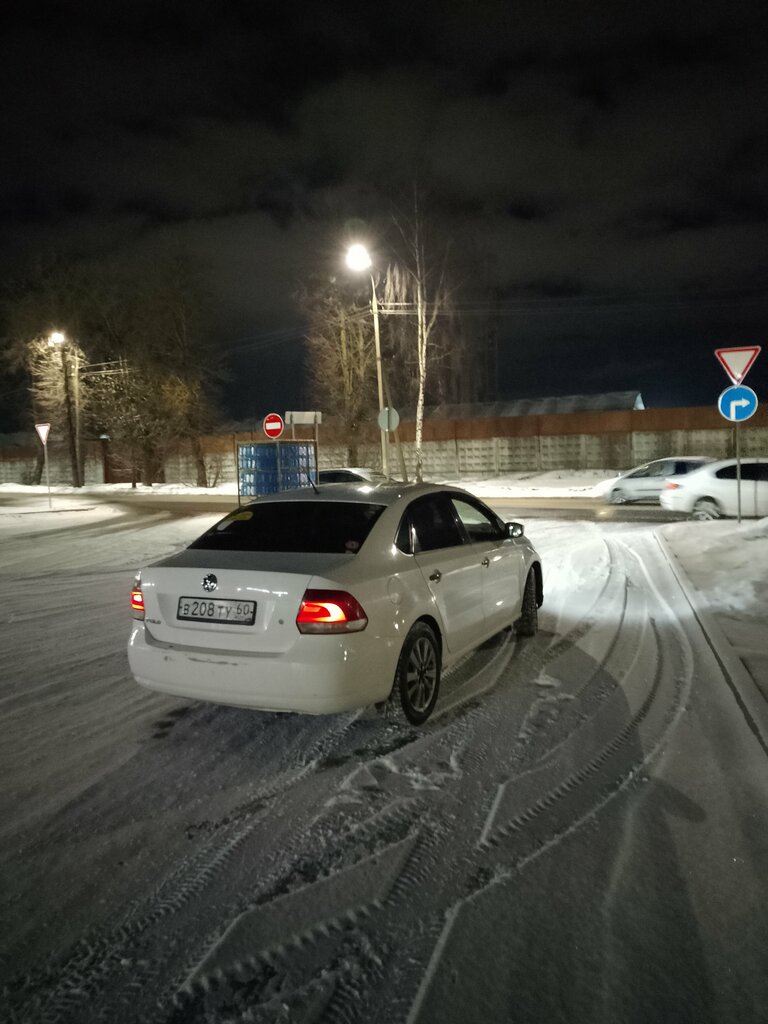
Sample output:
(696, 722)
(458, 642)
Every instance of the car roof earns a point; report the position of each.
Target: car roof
(379, 494)
(681, 458)
(722, 463)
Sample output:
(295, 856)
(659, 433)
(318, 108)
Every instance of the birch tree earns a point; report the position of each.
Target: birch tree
(418, 285)
(341, 358)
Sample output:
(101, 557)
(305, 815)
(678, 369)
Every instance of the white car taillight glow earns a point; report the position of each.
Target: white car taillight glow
(330, 611)
(137, 602)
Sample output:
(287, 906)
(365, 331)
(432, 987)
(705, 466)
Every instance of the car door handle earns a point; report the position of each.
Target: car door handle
(436, 576)
(485, 563)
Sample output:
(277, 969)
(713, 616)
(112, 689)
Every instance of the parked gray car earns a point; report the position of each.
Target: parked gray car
(646, 482)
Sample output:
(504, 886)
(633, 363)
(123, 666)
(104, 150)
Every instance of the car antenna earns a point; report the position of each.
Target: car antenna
(312, 484)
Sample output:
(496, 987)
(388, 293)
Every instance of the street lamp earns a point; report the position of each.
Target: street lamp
(359, 260)
(71, 384)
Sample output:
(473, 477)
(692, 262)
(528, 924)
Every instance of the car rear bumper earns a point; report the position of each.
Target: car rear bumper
(324, 674)
(674, 501)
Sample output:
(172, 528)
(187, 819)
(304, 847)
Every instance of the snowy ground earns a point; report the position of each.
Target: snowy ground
(591, 483)
(581, 834)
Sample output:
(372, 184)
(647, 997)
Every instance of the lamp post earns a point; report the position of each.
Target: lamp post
(359, 260)
(72, 400)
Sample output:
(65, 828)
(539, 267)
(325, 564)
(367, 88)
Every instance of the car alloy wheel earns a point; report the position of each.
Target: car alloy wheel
(417, 680)
(618, 497)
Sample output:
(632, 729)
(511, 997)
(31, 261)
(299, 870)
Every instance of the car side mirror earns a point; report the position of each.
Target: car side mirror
(515, 529)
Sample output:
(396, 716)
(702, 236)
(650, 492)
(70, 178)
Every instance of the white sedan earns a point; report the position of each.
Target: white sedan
(323, 600)
(646, 482)
(712, 491)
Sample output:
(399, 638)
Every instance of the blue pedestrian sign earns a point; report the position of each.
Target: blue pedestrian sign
(738, 403)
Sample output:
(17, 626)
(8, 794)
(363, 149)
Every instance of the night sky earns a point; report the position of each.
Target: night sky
(604, 166)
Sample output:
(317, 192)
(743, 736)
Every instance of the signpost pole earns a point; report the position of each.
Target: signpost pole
(47, 475)
(43, 429)
(403, 470)
(738, 474)
(739, 402)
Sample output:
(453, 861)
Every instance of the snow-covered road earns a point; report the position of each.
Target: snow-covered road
(580, 833)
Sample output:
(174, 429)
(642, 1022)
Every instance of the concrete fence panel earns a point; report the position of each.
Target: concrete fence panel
(453, 449)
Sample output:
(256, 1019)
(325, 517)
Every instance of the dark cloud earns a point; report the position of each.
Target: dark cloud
(609, 159)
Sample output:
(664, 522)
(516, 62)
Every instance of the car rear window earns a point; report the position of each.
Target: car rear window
(329, 527)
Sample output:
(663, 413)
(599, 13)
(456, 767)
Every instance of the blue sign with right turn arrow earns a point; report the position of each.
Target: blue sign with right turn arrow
(737, 403)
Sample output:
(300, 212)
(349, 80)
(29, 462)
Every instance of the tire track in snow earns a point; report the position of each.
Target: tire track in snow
(559, 799)
(348, 999)
(97, 963)
(335, 971)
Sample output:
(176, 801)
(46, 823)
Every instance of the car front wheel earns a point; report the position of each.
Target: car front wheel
(528, 623)
(618, 497)
(417, 679)
(706, 508)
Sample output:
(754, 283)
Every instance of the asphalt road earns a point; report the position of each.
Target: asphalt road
(584, 509)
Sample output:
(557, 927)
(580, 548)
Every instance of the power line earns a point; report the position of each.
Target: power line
(267, 339)
(521, 307)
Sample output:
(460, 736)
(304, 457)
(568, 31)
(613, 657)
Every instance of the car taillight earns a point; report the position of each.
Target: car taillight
(670, 486)
(137, 602)
(330, 611)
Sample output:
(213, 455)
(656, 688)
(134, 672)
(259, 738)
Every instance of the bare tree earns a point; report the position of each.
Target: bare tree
(418, 285)
(168, 347)
(150, 327)
(341, 357)
(56, 394)
(54, 300)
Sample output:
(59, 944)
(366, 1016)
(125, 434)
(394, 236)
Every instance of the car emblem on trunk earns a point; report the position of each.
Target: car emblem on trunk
(210, 582)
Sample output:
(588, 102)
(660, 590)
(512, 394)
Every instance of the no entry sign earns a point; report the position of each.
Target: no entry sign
(273, 425)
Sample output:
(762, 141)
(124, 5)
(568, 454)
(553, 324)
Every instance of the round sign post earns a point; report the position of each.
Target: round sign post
(737, 404)
(389, 419)
(273, 425)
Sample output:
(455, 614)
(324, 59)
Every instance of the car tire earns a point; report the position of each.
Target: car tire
(417, 679)
(705, 509)
(528, 623)
(618, 496)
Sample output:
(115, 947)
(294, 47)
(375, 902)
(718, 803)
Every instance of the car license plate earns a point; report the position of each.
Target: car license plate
(208, 609)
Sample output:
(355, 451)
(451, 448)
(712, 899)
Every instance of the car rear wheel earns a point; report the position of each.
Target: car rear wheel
(706, 508)
(417, 679)
(528, 623)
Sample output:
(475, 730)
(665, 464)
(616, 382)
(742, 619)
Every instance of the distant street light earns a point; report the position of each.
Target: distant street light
(72, 399)
(73, 368)
(359, 260)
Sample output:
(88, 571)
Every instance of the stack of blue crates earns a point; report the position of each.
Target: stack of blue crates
(272, 466)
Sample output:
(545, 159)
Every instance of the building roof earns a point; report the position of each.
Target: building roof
(607, 402)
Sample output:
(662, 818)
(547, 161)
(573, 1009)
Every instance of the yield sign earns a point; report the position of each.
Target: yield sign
(42, 430)
(737, 361)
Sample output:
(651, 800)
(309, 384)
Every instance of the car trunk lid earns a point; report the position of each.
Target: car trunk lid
(236, 601)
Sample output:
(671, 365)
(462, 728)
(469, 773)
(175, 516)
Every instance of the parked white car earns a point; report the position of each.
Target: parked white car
(711, 491)
(326, 599)
(645, 483)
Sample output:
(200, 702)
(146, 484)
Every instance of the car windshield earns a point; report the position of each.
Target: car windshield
(331, 527)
